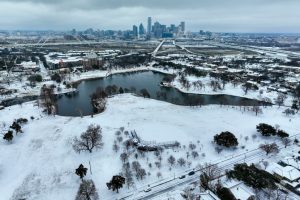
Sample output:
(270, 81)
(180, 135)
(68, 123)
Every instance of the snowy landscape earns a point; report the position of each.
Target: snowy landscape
(156, 112)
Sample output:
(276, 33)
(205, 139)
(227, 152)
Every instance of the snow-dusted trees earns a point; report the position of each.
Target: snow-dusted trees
(47, 99)
(81, 171)
(286, 142)
(87, 191)
(209, 173)
(269, 148)
(226, 139)
(127, 173)
(280, 99)
(116, 183)
(90, 139)
(98, 100)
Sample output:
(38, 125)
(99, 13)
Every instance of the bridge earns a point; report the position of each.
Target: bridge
(158, 48)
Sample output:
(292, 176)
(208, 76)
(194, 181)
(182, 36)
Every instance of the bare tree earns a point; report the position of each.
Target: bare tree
(265, 163)
(192, 146)
(195, 154)
(135, 166)
(171, 160)
(280, 99)
(87, 191)
(188, 194)
(90, 139)
(257, 110)
(116, 147)
(181, 162)
(141, 173)
(124, 157)
(210, 172)
(158, 165)
(128, 175)
(286, 141)
(158, 174)
(269, 148)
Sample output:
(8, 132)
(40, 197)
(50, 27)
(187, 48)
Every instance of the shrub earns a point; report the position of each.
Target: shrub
(282, 134)
(8, 136)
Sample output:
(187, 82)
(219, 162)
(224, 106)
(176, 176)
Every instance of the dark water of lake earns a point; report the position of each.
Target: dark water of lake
(70, 105)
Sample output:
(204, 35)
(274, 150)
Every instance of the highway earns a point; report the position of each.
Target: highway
(173, 183)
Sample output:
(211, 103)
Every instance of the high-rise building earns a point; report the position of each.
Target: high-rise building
(135, 30)
(182, 25)
(141, 29)
(149, 25)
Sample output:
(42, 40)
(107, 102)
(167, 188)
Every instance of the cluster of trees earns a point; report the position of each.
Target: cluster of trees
(48, 99)
(268, 130)
(130, 60)
(249, 86)
(17, 127)
(98, 100)
(269, 148)
(252, 176)
(195, 72)
(35, 78)
(210, 172)
(226, 139)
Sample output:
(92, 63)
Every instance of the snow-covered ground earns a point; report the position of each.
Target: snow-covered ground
(40, 163)
(230, 89)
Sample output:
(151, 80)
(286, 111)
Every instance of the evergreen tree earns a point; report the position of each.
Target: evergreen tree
(226, 139)
(266, 129)
(81, 171)
(8, 136)
(116, 183)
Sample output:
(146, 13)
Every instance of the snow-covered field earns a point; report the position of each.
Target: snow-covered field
(40, 163)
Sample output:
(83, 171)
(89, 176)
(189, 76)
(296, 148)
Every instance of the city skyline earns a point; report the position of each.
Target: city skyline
(217, 16)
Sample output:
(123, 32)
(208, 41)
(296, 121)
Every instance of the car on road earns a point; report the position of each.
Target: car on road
(191, 173)
(182, 177)
(147, 190)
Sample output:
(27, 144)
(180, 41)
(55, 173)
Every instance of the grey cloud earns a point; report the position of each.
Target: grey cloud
(215, 15)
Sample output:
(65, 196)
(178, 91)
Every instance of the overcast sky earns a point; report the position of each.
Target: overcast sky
(213, 15)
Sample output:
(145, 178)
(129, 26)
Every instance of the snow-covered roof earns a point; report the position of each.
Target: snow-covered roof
(241, 192)
(208, 195)
(291, 161)
(288, 172)
(92, 55)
